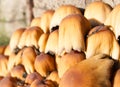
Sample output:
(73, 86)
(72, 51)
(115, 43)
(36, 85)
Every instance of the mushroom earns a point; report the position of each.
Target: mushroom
(60, 13)
(103, 10)
(92, 72)
(102, 40)
(72, 32)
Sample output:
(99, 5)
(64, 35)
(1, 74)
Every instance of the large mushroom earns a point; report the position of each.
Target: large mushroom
(92, 72)
(72, 32)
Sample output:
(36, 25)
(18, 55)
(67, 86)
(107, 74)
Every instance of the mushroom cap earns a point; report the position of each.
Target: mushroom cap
(102, 9)
(61, 12)
(72, 32)
(113, 20)
(19, 72)
(35, 22)
(46, 20)
(43, 41)
(52, 43)
(92, 72)
(104, 42)
(15, 39)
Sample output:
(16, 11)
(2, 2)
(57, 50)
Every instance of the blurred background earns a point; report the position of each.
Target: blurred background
(15, 14)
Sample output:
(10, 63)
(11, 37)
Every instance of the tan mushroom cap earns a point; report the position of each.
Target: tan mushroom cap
(42, 42)
(52, 43)
(8, 82)
(3, 65)
(113, 20)
(15, 39)
(92, 72)
(33, 36)
(46, 20)
(7, 50)
(35, 22)
(72, 32)
(104, 42)
(44, 64)
(116, 81)
(19, 72)
(68, 60)
(28, 59)
(2, 49)
(62, 12)
(102, 9)
(33, 76)
(22, 42)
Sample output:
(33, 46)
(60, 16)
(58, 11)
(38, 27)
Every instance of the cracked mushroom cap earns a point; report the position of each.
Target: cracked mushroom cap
(62, 12)
(103, 9)
(72, 32)
(92, 72)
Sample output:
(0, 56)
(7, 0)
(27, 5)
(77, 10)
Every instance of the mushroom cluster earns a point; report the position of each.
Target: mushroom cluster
(65, 47)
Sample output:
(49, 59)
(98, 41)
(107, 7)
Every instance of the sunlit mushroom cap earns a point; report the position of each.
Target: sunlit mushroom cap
(102, 9)
(62, 12)
(46, 20)
(72, 32)
(15, 39)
